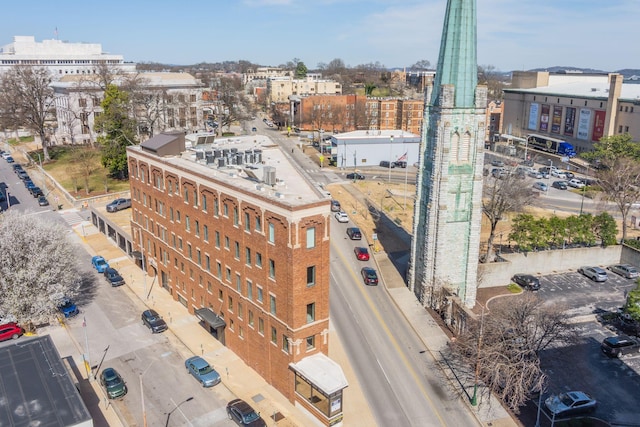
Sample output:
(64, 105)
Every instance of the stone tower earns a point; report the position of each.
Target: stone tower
(448, 208)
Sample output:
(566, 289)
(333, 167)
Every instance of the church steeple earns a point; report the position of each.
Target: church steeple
(457, 61)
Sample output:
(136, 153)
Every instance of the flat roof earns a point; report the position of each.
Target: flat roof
(36, 387)
(397, 134)
(253, 163)
(323, 372)
(583, 90)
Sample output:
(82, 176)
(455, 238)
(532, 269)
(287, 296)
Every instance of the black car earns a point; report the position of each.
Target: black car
(560, 185)
(528, 162)
(152, 320)
(527, 281)
(42, 201)
(243, 414)
(354, 233)
(369, 275)
(355, 175)
(22, 174)
(620, 346)
(17, 167)
(36, 191)
(113, 277)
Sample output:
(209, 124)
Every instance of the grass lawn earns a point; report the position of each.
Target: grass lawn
(70, 164)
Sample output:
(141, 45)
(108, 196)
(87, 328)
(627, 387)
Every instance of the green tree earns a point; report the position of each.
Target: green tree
(605, 228)
(118, 131)
(611, 148)
(301, 70)
(632, 305)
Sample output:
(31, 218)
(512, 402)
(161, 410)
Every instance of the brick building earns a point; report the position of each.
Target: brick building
(238, 237)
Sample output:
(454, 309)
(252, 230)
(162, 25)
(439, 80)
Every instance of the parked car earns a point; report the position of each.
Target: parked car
(152, 320)
(560, 185)
(9, 159)
(6, 154)
(387, 164)
(254, 129)
(113, 383)
(527, 162)
(499, 173)
(535, 174)
(539, 185)
(118, 205)
(335, 206)
(22, 174)
(11, 331)
(42, 201)
(596, 274)
(569, 175)
(624, 270)
(17, 167)
(497, 163)
(202, 371)
(558, 174)
(576, 183)
(342, 216)
(527, 281)
(570, 403)
(36, 191)
(369, 275)
(243, 414)
(99, 263)
(68, 308)
(362, 254)
(400, 164)
(113, 277)
(355, 175)
(620, 346)
(354, 233)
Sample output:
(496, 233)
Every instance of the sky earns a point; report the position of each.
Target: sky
(512, 34)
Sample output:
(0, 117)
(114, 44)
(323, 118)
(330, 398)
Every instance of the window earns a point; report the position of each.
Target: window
(171, 214)
(198, 256)
(238, 283)
(249, 290)
(230, 303)
(219, 270)
(218, 239)
(228, 271)
(311, 342)
(260, 295)
(258, 259)
(195, 198)
(247, 256)
(207, 263)
(240, 310)
(311, 312)
(272, 233)
(261, 326)
(204, 202)
(227, 242)
(258, 224)
(205, 231)
(225, 210)
(272, 269)
(274, 335)
(272, 304)
(216, 207)
(186, 194)
(247, 221)
(240, 331)
(236, 246)
(189, 251)
(285, 344)
(250, 318)
(220, 294)
(311, 238)
(311, 275)
(187, 223)
(197, 228)
(235, 216)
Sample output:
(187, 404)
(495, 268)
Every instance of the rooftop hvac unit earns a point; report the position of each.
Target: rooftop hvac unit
(210, 159)
(225, 152)
(217, 153)
(257, 156)
(269, 176)
(233, 150)
(279, 195)
(222, 161)
(239, 158)
(199, 155)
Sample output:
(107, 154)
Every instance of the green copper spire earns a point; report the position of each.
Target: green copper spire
(457, 62)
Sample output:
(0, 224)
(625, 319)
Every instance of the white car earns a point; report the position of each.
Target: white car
(576, 183)
(342, 216)
(535, 174)
(558, 174)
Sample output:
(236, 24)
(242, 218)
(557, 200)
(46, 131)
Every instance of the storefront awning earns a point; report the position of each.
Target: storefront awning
(322, 372)
(207, 315)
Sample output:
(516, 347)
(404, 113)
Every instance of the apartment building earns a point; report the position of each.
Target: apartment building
(578, 108)
(162, 102)
(60, 57)
(236, 235)
(279, 89)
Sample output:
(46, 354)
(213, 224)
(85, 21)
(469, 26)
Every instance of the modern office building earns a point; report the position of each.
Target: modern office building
(60, 57)
(448, 207)
(575, 107)
(241, 239)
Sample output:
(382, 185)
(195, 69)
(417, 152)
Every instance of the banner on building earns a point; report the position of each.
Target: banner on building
(598, 125)
(583, 123)
(569, 121)
(533, 116)
(556, 119)
(544, 117)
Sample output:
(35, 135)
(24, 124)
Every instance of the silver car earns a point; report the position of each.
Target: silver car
(596, 274)
(624, 270)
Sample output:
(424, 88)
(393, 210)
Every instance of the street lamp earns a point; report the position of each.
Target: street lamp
(390, 155)
(188, 399)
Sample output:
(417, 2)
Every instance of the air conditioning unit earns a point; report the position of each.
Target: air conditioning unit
(269, 175)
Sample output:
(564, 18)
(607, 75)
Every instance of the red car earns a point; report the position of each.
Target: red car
(361, 253)
(10, 330)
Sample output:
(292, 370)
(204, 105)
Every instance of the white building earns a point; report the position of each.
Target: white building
(60, 57)
(363, 148)
(166, 102)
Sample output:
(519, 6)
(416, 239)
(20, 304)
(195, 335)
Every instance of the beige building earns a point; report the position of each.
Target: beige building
(574, 107)
(279, 89)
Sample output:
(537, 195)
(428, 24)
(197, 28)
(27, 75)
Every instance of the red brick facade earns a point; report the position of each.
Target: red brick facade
(259, 263)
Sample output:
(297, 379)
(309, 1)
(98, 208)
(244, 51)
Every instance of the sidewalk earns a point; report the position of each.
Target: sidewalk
(240, 380)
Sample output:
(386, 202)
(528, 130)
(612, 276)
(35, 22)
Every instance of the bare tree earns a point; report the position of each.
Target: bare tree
(84, 160)
(37, 267)
(235, 105)
(27, 89)
(503, 195)
(501, 348)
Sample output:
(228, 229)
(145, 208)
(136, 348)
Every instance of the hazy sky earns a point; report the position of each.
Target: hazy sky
(512, 34)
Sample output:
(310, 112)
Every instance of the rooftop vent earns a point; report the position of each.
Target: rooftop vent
(269, 176)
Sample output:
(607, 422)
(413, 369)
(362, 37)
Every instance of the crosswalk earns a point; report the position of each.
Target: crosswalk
(71, 217)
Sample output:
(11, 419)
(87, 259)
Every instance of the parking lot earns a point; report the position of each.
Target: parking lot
(581, 365)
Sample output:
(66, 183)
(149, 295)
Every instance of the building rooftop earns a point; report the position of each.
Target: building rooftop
(586, 89)
(252, 163)
(37, 389)
(398, 135)
(323, 372)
